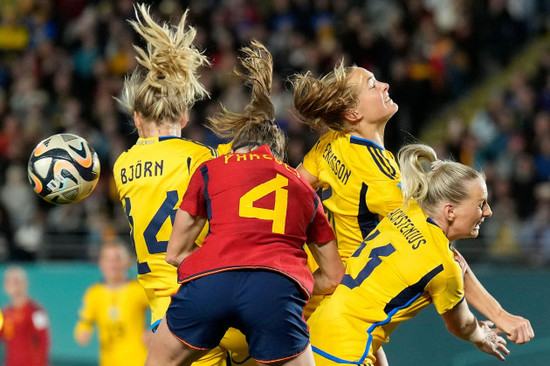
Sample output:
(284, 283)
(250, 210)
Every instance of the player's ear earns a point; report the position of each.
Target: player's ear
(449, 212)
(137, 120)
(352, 115)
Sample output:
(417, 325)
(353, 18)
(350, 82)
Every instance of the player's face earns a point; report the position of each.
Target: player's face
(113, 262)
(472, 211)
(374, 102)
(15, 284)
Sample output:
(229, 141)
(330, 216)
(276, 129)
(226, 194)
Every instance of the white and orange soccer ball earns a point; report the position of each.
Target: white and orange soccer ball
(63, 169)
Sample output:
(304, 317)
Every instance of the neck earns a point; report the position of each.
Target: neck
(152, 130)
(372, 132)
(443, 225)
(19, 301)
(115, 282)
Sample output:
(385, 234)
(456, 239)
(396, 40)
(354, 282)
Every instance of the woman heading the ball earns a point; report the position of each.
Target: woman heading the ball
(151, 177)
(260, 213)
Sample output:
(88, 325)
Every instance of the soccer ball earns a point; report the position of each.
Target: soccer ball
(63, 169)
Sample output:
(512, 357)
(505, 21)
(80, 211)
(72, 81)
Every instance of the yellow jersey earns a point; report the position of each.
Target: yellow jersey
(360, 185)
(120, 316)
(151, 179)
(405, 264)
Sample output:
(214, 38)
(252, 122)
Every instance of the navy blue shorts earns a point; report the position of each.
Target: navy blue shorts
(266, 306)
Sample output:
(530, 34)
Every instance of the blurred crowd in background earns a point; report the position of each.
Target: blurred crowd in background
(62, 61)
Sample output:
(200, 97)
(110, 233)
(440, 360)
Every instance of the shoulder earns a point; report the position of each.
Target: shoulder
(190, 145)
(375, 159)
(95, 290)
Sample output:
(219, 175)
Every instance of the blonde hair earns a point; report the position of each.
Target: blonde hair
(256, 125)
(324, 102)
(429, 180)
(167, 85)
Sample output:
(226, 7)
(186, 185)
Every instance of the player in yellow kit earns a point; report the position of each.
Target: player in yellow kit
(360, 183)
(118, 308)
(406, 263)
(152, 176)
(359, 178)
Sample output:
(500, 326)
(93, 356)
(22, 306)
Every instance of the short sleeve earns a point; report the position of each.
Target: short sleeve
(319, 230)
(447, 288)
(194, 200)
(310, 162)
(86, 314)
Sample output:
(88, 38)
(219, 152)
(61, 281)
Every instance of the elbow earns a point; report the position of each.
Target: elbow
(332, 286)
(334, 280)
(172, 259)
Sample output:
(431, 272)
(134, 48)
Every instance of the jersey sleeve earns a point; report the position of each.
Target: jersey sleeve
(311, 159)
(319, 229)
(194, 201)
(447, 289)
(86, 314)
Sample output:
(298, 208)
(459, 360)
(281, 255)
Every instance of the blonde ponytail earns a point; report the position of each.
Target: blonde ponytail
(168, 84)
(430, 181)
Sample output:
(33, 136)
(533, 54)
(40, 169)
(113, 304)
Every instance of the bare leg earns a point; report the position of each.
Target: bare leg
(167, 350)
(304, 359)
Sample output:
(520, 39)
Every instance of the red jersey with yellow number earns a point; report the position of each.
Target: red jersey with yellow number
(261, 212)
(26, 335)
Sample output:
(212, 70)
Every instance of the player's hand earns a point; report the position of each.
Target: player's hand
(492, 343)
(516, 328)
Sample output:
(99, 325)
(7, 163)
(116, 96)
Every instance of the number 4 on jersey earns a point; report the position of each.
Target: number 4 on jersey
(278, 214)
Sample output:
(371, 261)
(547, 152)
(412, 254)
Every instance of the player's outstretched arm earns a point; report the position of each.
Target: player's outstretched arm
(462, 323)
(182, 239)
(517, 328)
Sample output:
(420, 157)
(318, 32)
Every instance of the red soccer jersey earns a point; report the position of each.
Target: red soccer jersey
(26, 334)
(261, 212)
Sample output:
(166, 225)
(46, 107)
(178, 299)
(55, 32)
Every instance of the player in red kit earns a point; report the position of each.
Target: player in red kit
(250, 272)
(26, 325)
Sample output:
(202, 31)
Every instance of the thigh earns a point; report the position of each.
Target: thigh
(200, 311)
(271, 315)
(165, 349)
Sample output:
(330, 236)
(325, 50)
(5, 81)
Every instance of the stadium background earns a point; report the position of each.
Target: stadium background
(472, 78)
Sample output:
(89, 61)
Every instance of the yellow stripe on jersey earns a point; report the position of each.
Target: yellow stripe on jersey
(400, 268)
(360, 185)
(151, 179)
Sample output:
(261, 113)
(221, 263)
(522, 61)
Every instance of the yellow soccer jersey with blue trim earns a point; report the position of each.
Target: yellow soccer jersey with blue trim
(401, 267)
(120, 316)
(360, 185)
(151, 179)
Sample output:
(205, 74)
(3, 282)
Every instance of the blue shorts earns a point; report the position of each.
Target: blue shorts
(265, 305)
